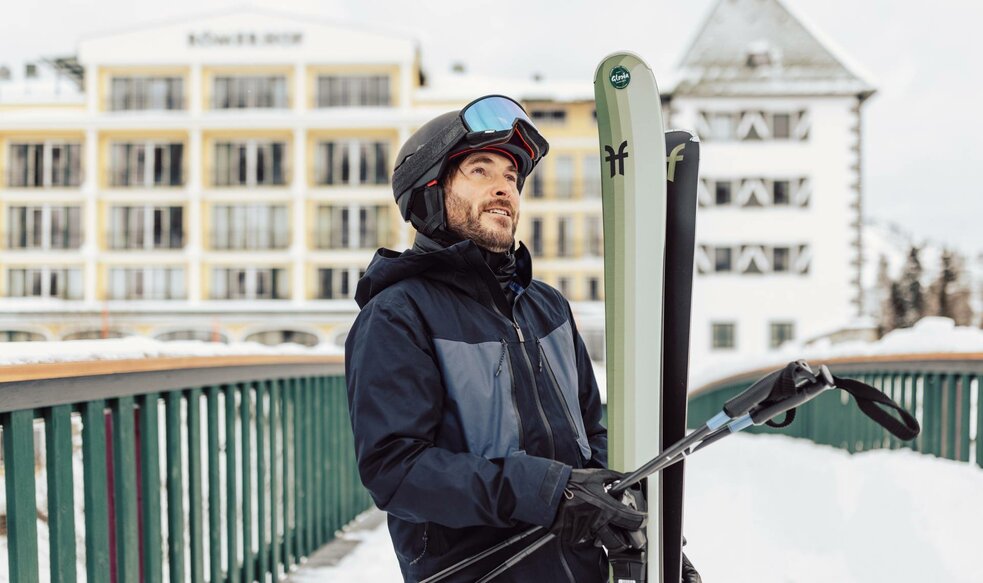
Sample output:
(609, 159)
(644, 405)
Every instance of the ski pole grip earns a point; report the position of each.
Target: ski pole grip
(754, 395)
(772, 410)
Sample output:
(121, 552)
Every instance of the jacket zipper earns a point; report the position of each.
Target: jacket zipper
(535, 385)
(556, 389)
(515, 401)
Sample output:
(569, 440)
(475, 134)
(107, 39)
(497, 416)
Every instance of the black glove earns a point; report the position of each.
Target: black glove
(587, 510)
(689, 572)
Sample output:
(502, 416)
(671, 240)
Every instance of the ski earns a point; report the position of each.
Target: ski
(633, 192)
(682, 166)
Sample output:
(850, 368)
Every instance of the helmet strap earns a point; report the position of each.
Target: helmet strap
(427, 213)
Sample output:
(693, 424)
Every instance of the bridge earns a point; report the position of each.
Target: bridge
(226, 469)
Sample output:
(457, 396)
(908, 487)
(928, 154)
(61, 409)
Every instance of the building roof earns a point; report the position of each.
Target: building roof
(759, 47)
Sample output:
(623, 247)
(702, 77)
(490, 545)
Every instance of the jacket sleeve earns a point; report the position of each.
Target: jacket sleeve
(396, 402)
(591, 407)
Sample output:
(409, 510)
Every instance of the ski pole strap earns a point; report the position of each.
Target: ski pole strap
(870, 400)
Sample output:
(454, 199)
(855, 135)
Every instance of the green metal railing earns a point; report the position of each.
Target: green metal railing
(944, 392)
(257, 470)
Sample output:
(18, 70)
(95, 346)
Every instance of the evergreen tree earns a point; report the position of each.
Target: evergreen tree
(911, 295)
(884, 305)
(949, 296)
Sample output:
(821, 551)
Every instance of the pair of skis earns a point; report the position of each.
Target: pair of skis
(649, 236)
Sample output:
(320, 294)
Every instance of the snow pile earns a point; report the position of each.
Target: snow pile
(136, 347)
(931, 335)
(772, 509)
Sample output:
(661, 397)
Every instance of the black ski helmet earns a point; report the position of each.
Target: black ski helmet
(493, 122)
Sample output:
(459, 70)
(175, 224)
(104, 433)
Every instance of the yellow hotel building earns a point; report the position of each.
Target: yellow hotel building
(227, 178)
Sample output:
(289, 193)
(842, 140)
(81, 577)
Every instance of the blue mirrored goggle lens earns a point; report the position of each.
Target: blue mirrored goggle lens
(493, 114)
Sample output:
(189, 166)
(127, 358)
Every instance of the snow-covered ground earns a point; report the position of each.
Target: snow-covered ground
(772, 509)
(135, 347)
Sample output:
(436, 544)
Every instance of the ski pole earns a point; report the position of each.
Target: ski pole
(485, 553)
(773, 394)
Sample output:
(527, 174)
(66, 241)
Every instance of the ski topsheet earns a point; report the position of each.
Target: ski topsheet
(633, 186)
(682, 165)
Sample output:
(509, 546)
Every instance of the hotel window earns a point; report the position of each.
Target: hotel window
(780, 333)
(781, 126)
(722, 335)
(45, 282)
(146, 283)
(337, 283)
(592, 176)
(564, 237)
(20, 336)
(335, 162)
(145, 93)
(44, 227)
(563, 285)
(723, 259)
(548, 117)
(563, 176)
(781, 193)
(250, 163)
(146, 227)
(595, 241)
(146, 164)
(353, 91)
(722, 193)
(781, 259)
(594, 289)
(351, 226)
(249, 283)
(537, 237)
(256, 226)
(537, 182)
(250, 92)
(44, 165)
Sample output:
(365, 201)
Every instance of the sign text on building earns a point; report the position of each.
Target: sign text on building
(244, 39)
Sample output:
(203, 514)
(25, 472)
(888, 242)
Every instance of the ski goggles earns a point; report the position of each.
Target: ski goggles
(495, 118)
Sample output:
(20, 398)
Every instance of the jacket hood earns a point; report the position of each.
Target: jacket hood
(460, 266)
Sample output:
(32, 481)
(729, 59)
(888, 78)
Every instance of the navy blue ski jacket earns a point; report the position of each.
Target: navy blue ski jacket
(469, 412)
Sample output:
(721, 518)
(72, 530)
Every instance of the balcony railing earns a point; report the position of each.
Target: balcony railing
(258, 448)
(944, 392)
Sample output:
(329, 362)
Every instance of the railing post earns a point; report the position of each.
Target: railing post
(245, 424)
(149, 467)
(275, 413)
(175, 488)
(61, 499)
(286, 395)
(214, 492)
(94, 491)
(261, 488)
(194, 486)
(22, 526)
(125, 500)
(231, 493)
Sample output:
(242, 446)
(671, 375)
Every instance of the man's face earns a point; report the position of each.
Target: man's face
(482, 201)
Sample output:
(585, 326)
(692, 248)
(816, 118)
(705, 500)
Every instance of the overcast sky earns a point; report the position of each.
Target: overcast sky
(923, 129)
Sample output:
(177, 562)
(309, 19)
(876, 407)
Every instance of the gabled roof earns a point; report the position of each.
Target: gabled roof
(759, 47)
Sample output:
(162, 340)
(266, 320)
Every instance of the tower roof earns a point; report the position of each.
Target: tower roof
(759, 47)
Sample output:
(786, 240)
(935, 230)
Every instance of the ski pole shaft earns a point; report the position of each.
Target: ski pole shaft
(649, 467)
(518, 557)
(485, 553)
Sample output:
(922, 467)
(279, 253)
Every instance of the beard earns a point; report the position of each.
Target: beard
(465, 220)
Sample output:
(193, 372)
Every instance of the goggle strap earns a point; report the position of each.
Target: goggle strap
(434, 151)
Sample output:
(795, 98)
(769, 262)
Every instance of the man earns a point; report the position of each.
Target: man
(472, 397)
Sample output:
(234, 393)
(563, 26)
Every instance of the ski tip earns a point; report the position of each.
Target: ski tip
(617, 56)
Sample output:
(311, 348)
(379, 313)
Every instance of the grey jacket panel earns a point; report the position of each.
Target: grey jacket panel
(478, 378)
(561, 358)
